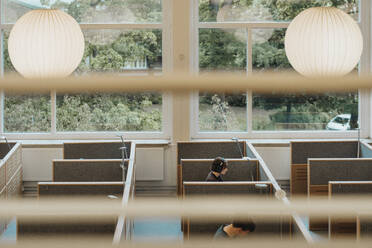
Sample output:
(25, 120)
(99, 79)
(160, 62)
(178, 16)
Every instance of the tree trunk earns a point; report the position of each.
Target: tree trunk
(289, 108)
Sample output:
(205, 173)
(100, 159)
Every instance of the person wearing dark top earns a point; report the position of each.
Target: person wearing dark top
(235, 230)
(218, 168)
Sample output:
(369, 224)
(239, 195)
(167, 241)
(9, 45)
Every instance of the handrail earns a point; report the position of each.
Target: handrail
(285, 200)
(121, 230)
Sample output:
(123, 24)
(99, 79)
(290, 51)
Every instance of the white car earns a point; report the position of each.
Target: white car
(339, 122)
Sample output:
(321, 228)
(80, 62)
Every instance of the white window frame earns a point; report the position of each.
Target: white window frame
(364, 106)
(166, 130)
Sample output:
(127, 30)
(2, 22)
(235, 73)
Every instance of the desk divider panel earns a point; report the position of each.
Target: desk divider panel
(343, 188)
(210, 149)
(80, 189)
(321, 171)
(226, 188)
(10, 175)
(94, 150)
(302, 150)
(88, 170)
(346, 227)
(206, 150)
(238, 170)
(14, 186)
(279, 228)
(59, 228)
(364, 227)
(105, 228)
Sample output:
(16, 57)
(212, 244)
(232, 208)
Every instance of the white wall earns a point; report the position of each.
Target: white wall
(277, 159)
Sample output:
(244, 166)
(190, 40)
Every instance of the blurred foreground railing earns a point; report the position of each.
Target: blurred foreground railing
(281, 82)
(80, 208)
(203, 209)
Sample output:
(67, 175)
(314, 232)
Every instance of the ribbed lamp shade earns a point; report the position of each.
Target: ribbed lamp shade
(46, 43)
(323, 41)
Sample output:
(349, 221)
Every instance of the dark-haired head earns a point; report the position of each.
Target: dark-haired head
(246, 225)
(219, 164)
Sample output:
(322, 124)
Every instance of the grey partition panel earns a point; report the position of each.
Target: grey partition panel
(14, 187)
(365, 152)
(225, 189)
(98, 150)
(2, 177)
(204, 150)
(277, 227)
(13, 163)
(242, 170)
(301, 151)
(87, 171)
(248, 152)
(323, 171)
(365, 228)
(354, 189)
(104, 227)
(52, 189)
(4, 149)
(3, 194)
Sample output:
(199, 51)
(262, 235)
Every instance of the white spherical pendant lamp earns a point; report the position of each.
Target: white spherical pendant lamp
(323, 41)
(46, 43)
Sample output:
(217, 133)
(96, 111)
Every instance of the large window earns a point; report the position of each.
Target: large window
(247, 37)
(136, 38)
(130, 43)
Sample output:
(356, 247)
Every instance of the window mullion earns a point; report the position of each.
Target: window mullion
(249, 72)
(1, 72)
(249, 50)
(249, 112)
(53, 112)
(2, 108)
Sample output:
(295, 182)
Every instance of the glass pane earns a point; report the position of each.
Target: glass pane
(222, 112)
(124, 52)
(109, 112)
(8, 67)
(263, 10)
(27, 113)
(135, 52)
(268, 53)
(86, 11)
(337, 112)
(223, 50)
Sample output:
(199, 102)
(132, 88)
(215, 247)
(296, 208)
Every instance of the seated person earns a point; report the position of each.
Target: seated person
(219, 167)
(235, 230)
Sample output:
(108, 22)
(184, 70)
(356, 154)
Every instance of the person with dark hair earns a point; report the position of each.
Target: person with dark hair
(235, 230)
(218, 168)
